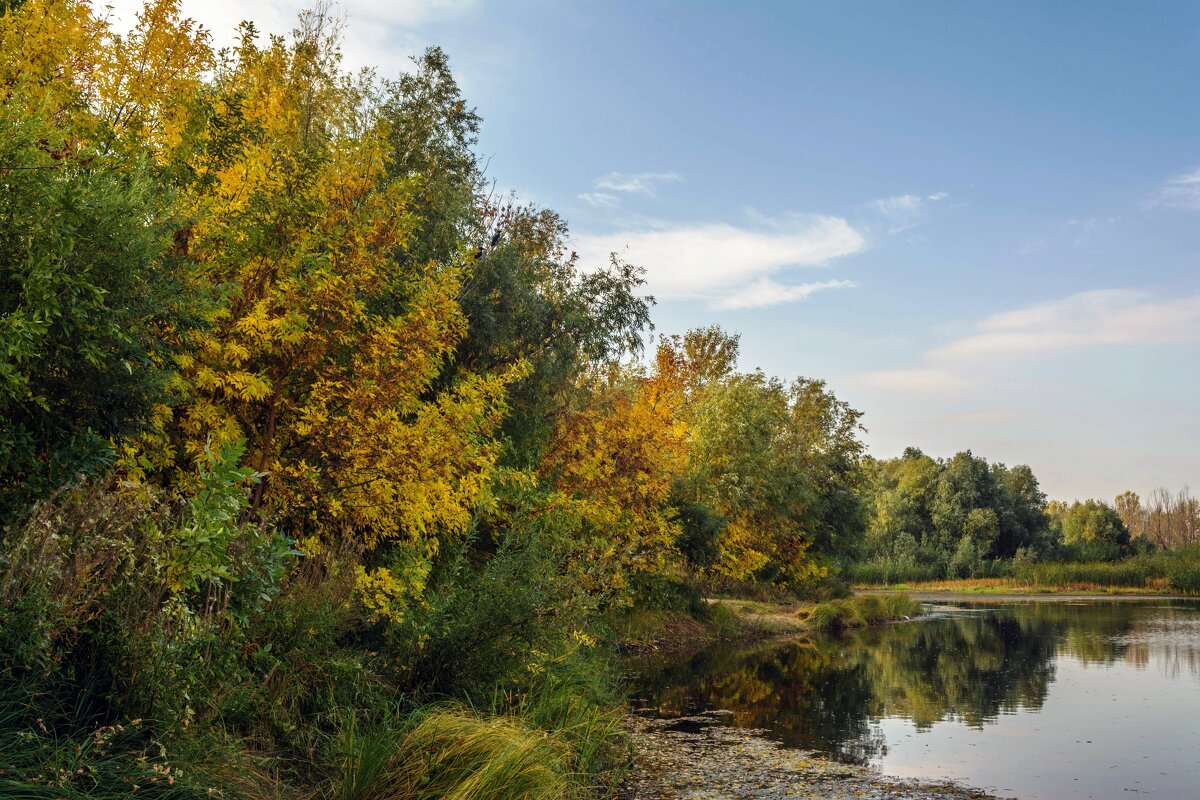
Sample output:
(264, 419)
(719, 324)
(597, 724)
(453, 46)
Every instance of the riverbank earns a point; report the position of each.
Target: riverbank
(975, 588)
(701, 758)
(723, 620)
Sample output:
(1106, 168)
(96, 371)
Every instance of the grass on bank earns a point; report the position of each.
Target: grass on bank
(456, 754)
(1176, 571)
(860, 612)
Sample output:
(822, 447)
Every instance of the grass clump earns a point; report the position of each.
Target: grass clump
(861, 611)
(454, 753)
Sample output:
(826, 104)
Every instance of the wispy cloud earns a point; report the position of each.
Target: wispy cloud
(919, 380)
(904, 211)
(766, 292)
(599, 199)
(1102, 318)
(718, 261)
(643, 183)
(1182, 191)
(1087, 319)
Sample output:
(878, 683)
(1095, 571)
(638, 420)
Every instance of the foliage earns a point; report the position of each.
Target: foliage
(612, 460)
(773, 472)
(86, 285)
(956, 515)
(1094, 531)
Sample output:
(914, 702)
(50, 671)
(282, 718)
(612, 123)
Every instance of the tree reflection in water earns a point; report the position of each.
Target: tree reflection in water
(970, 664)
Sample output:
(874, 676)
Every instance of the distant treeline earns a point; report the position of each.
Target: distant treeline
(962, 516)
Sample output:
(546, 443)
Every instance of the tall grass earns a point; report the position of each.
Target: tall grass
(452, 753)
(861, 611)
(887, 571)
(1176, 570)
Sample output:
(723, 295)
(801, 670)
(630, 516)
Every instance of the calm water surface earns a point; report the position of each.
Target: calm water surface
(1093, 699)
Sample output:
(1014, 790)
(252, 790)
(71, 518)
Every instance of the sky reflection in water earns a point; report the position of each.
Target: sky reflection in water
(1088, 699)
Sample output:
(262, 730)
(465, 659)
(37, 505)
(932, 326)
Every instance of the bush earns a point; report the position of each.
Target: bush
(484, 613)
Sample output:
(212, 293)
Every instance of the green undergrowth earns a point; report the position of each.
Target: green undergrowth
(261, 678)
(859, 612)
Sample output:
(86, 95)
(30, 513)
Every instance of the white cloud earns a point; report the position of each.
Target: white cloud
(766, 292)
(1088, 319)
(904, 211)
(714, 261)
(1182, 191)
(378, 33)
(643, 183)
(1102, 318)
(599, 199)
(915, 381)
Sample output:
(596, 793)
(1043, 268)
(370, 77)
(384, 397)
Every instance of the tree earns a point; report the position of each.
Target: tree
(965, 483)
(1129, 508)
(1021, 511)
(780, 463)
(527, 301)
(612, 461)
(92, 292)
(1095, 530)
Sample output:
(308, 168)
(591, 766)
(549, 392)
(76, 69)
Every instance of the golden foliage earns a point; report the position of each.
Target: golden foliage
(612, 460)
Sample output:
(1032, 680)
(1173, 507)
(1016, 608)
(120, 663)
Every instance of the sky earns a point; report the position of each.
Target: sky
(979, 222)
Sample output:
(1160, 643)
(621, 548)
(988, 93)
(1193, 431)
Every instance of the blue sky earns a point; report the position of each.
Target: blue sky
(980, 222)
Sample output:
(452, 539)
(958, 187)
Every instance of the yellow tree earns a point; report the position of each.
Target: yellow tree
(324, 356)
(323, 351)
(611, 461)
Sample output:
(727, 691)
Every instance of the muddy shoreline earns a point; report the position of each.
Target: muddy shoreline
(700, 758)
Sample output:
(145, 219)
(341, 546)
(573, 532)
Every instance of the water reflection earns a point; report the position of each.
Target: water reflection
(969, 665)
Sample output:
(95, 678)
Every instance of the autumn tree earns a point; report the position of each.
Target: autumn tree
(611, 461)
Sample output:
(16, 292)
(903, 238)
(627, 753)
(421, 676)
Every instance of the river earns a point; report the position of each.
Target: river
(1039, 699)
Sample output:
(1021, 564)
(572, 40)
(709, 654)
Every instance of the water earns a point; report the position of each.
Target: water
(1054, 700)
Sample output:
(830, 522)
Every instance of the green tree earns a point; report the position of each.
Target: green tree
(965, 484)
(1095, 531)
(1021, 511)
(527, 300)
(781, 465)
(88, 284)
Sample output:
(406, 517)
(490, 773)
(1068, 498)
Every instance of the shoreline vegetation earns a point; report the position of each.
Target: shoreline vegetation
(984, 587)
(326, 473)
